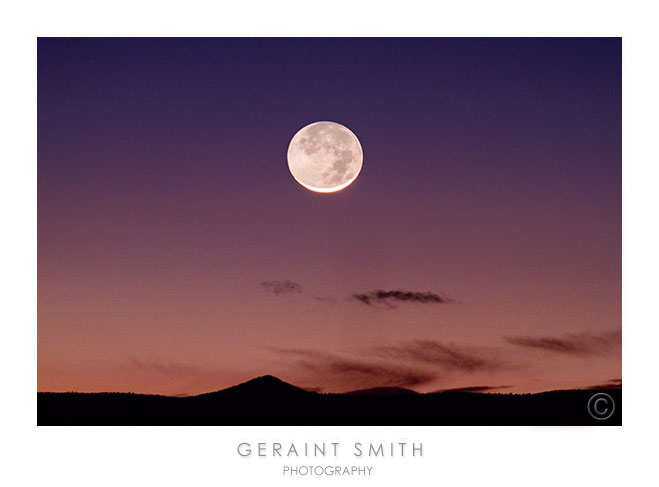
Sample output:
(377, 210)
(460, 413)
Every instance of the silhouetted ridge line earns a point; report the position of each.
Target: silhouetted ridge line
(268, 401)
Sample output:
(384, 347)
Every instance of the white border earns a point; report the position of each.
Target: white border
(206, 456)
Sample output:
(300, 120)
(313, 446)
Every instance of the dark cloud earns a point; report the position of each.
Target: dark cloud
(282, 287)
(609, 384)
(474, 389)
(390, 297)
(407, 364)
(357, 371)
(577, 345)
(446, 356)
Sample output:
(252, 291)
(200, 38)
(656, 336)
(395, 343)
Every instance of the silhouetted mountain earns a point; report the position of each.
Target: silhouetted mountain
(270, 401)
(265, 385)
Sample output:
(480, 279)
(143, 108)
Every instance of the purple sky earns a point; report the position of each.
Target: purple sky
(177, 255)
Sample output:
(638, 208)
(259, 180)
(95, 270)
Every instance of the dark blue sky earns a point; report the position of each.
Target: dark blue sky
(478, 109)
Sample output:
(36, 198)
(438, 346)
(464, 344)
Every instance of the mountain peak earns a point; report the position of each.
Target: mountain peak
(262, 386)
(265, 379)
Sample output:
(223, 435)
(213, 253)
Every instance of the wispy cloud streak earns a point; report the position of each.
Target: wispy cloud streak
(446, 356)
(357, 371)
(572, 344)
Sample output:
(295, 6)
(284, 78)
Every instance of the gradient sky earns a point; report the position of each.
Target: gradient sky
(491, 178)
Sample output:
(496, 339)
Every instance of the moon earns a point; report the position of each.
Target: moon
(325, 157)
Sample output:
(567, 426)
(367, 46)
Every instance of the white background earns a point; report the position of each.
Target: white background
(207, 456)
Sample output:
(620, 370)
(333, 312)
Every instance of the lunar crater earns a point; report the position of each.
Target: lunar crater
(325, 157)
